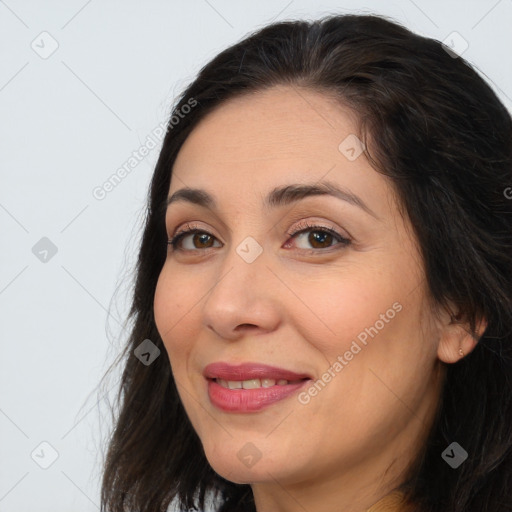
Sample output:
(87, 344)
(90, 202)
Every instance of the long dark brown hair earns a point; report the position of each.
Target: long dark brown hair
(441, 134)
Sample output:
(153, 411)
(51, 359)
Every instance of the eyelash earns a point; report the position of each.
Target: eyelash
(304, 228)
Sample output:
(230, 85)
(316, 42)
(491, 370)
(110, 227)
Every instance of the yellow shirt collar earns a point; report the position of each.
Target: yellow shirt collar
(392, 502)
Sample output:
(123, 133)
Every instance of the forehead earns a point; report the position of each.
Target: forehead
(280, 135)
(274, 123)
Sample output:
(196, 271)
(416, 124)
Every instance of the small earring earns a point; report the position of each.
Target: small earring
(461, 353)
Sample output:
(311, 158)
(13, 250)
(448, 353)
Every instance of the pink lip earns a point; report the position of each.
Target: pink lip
(249, 400)
(247, 371)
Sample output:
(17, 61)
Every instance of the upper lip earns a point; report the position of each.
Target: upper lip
(248, 371)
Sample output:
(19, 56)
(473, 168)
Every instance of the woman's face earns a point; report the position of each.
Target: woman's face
(351, 316)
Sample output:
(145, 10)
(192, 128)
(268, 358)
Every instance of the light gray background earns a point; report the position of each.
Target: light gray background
(67, 123)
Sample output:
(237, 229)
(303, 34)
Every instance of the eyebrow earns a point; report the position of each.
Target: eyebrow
(279, 196)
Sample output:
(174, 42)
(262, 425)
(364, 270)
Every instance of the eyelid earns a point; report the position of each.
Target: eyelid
(191, 225)
(188, 226)
(307, 226)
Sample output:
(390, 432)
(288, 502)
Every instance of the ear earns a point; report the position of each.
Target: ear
(456, 339)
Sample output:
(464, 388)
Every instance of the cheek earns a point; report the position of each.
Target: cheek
(162, 306)
(336, 311)
(376, 322)
(171, 305)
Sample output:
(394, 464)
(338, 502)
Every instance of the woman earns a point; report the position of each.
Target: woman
(322, 307)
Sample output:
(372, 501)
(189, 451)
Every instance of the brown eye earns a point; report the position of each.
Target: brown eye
(319, 237)
(200, 240)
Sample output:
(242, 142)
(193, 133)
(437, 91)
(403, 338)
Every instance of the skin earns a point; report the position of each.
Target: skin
(350, 444)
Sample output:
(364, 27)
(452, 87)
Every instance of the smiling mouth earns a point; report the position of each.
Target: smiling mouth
(256, 383)
(251, 395)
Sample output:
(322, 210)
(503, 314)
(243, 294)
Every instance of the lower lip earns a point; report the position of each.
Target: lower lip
(249, 400)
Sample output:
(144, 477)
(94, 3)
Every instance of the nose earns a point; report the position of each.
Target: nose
(244, 297)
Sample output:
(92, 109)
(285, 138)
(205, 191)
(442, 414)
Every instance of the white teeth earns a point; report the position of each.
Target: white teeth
(252, 383)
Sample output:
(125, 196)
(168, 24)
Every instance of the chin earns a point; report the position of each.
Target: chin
(233, 468)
